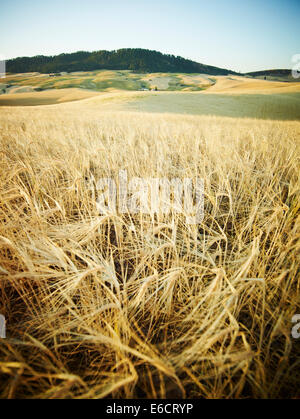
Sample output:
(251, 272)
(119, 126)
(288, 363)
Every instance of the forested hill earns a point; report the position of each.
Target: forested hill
(275, 73)
(139, 60)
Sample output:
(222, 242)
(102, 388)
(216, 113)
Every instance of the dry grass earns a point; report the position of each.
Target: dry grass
(105, 80)
(180, 93)
(97, 308)
(260, 106)
(245, 85)
(46, 97)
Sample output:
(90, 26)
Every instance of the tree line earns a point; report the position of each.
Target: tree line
(135, 59)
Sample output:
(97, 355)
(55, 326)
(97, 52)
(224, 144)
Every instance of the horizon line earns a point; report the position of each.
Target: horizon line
(147, 49)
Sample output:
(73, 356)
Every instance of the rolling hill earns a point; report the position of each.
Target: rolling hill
(274, 75)
(275, 72)
(135, 59)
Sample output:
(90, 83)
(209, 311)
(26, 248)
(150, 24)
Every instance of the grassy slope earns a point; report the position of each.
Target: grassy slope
(224, 96)
(107, 80)
(276, 106)
(47, 97)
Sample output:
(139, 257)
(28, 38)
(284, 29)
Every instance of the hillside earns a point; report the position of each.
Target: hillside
(140, 60)
(193, 93)
(104, 80)
(275, 72)
(274, 75)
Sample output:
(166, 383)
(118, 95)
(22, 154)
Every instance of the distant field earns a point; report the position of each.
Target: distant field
(232, 96)
(237, 85)
(110, 81)
(260, 106)
(263, 106)
(106, 80)
(47, 97)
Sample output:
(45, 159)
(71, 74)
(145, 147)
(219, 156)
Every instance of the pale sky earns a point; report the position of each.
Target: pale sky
(245, 35)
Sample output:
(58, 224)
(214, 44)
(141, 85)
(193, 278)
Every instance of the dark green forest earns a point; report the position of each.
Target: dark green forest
(138, 60)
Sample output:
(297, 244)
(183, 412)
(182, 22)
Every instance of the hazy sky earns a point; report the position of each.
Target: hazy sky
(245, 35)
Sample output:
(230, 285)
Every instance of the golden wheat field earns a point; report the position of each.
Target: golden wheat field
(140, 306)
